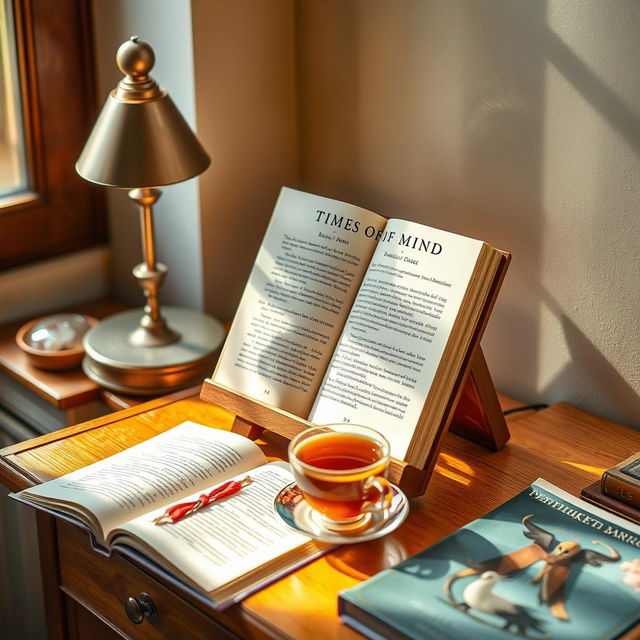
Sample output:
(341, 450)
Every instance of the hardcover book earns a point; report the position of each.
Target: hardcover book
(223, 551)
(593, 493)
(542, 565)
(351, 317)
(622, 481)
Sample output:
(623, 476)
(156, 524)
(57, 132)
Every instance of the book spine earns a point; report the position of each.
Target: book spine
(616, 487)
(593, 494)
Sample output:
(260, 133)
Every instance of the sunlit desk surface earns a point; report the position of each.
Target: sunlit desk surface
(565, 445)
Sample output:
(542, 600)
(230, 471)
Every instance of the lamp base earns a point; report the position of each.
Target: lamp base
(113, 362)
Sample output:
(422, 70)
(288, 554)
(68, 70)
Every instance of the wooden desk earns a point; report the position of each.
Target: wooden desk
(85, 591)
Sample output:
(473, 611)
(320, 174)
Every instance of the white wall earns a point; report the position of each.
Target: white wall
(515, 121)
(34, 290)
(247, 118)
(166, 26)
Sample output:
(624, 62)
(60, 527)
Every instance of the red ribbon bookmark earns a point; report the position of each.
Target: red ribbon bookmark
(179, 511)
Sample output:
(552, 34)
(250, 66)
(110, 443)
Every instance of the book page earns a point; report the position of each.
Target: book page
(388, 354)
(224, 540)
(151, 474)
(301, 287)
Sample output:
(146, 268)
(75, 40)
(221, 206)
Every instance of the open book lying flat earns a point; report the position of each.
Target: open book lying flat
(350, 317)
(225, 550)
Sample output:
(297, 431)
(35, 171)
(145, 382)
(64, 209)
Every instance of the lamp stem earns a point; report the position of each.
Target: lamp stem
(153, 330)
(146, 227)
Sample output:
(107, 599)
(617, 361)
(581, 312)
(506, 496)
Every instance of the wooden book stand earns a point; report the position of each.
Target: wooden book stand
(473, 410)
(476, 416)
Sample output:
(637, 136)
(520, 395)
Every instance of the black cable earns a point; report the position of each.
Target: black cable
(534, 407)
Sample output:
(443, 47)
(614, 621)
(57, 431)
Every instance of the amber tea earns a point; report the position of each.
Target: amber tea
(341, 472)
(339, 451)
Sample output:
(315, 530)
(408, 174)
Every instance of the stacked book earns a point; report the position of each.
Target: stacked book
(618, 490)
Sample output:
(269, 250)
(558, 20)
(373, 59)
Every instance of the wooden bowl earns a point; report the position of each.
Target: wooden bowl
(51, 360)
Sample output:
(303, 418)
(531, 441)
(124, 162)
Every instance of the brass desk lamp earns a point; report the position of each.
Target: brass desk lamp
(139, 142)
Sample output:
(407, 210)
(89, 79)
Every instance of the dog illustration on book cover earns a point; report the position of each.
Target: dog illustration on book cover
(560, 558)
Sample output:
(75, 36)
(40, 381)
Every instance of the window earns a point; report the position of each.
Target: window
(13, 170)
(46, 110)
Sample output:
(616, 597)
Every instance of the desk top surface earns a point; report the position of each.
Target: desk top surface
(565, 445)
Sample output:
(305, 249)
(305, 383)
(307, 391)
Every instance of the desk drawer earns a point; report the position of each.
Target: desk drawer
(102, 585)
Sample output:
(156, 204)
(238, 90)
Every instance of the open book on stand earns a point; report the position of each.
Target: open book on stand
(223, 551)
(351, 317)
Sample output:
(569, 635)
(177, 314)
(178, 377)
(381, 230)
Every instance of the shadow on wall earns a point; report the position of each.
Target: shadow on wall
(434, 112)
(504, 155)
(500, 190)
(489, 119)
(600, 96)
(586, 370)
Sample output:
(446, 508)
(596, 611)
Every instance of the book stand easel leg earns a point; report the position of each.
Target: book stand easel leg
(247, 429)
(478, 415)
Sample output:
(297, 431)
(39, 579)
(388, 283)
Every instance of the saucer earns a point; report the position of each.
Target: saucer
(291, 506)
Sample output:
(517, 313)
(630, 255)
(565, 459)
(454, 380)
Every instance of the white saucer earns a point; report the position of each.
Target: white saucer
(296, 512)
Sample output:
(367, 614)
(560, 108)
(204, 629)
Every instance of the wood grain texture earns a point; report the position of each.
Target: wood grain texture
(251, 410)
(54, 606)
(85, 624)
(478, 414)
(102, 585)
(250, 413)
(59, 452)
(565, 445)
(475, 413)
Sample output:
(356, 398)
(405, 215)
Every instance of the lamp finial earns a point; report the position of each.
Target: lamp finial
(135, 58)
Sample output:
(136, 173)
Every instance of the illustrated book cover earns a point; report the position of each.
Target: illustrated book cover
(223, 551)
(542, 565)
(348, 316)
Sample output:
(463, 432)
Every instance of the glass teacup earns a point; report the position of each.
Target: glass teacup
(341, 471)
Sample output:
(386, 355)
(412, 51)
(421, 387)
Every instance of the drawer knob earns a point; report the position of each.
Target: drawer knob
(140, 609)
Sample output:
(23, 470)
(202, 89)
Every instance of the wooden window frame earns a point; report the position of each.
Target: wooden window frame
(60, 212)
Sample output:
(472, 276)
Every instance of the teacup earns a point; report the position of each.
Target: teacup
(341, 471)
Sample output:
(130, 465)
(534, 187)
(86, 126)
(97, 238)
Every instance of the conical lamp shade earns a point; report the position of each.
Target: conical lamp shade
(141, 144)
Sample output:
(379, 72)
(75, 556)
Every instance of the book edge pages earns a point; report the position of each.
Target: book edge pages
(433, 412)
